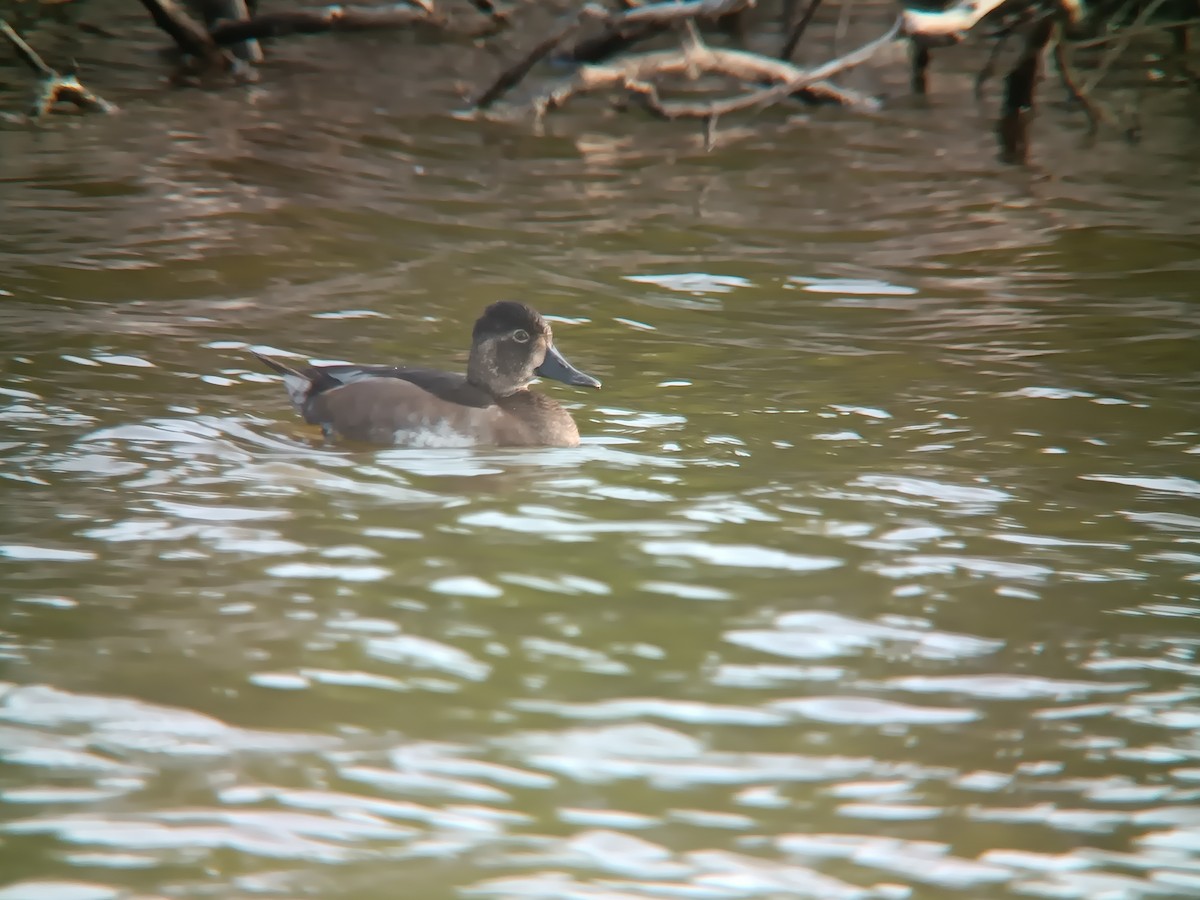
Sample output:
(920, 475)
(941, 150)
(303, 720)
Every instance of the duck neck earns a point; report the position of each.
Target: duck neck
(487, 379)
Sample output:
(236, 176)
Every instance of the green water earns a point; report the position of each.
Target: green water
(875, 576)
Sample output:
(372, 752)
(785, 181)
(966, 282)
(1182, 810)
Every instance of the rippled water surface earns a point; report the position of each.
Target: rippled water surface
(876, 575)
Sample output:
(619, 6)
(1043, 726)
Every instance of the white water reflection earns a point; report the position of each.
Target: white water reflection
(821, 635)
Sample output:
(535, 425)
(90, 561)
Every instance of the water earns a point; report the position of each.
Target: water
(875, 575)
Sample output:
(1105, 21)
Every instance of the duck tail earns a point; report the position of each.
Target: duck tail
(298, 384)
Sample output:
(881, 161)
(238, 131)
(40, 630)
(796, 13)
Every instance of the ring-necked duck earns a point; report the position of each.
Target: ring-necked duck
(491, 405)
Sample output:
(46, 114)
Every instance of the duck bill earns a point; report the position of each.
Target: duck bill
(556, 366)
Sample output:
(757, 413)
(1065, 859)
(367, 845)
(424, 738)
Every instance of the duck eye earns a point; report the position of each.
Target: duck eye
(521, 336)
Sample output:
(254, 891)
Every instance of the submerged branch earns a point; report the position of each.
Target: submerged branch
(27, 53)
(1126, 36)
(622, 29)
(316, 21)
(989, 65)
(53, 87)
(635, 75)
(67, 89)
(189, 35)
(217, 11)
(919, 58)
(511, 77)
(1133, 31)
(797, 30)
(1066, 75)
(1020, 86)
(612, 41)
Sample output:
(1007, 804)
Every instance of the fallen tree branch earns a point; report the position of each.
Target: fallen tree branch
(1095, 114)
(217, 11)
(189, 36)
(671, 11)
(1181, 43)
(1020, 85)
(635, 75)
(612, 41)
(919, 58)
(647, 96)
(1126, 36)
(639, 23)
(316, 21)
(53, 87)
(511, 77)
(989, 64)
(28, 55)
(797, 31)
(622, 29)
(1133, 31)
(951, 24)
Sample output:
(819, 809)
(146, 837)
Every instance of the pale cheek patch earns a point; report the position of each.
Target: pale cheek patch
(431, 435)
(297, 388)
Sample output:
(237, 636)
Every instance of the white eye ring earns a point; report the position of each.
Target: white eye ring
(521, 336)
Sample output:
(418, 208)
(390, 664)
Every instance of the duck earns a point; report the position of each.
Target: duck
(491, 405)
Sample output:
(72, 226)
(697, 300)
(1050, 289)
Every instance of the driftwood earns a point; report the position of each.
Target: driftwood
(954, 22)
(796, 31)
(1119, 47)
(612, 41)
(53, 87)
(1070, 83)
(919, 58)
(190, 36)
(508, 79)
(214, 47)
(316, 21)
(1019, 86)
(641, 22)
(635, 75)
(989, 65)
(950, 24)
(216, 11)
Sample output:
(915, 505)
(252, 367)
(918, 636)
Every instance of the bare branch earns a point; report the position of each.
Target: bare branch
(1111, 56)
(989, 65)
(510, 77)
(216, 11)
(52, 86)
(1181, 42)
(1131, 32)
(1019, 87)
(949, 25)
(634, 75)
(316, 21)
(189, 35)
(27, 53)
(66, 88)
(919, 58)
(797, 30)
(672, 11)
(612, 41)
(1095, 114)
(793, 79)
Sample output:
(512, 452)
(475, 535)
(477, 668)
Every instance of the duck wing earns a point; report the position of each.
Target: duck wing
(396, 405)
(447, 386)
(393, 410)
(304, 384)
